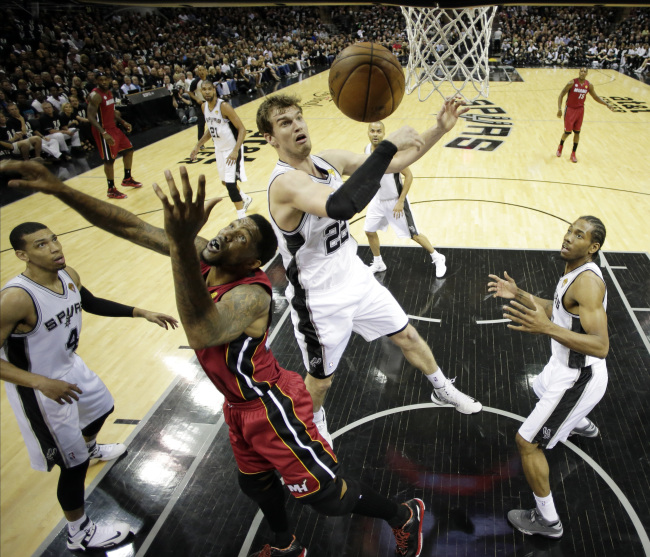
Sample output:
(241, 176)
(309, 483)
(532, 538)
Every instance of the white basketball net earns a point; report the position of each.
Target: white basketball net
(449, 46)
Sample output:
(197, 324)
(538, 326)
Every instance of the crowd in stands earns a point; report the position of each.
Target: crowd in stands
(48, 63)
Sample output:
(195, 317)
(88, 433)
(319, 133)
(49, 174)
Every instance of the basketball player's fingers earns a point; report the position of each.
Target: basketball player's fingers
(161, 195)
(209, 205)
(521, 307)
(173, 190)
(76, 388)
(185, 182)
(200, 191)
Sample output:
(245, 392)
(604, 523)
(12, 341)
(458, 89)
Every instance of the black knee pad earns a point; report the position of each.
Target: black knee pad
(70, 490)
(261, 487)
(93, 428)
(330, 502)
(576, 132)
(233, 192)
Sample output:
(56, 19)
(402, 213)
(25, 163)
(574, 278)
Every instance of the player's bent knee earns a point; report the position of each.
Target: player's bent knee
(330, 502)
(233, 192)
(523, 445)
(261, 487)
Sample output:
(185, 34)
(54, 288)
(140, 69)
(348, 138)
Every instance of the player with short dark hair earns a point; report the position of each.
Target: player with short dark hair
(109, 138)
(224, 302)
(576, 91)
(59, 403)
(575, 378)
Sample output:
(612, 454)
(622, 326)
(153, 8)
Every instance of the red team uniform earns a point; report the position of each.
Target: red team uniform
(267, 408)
(106, 117)
(575, 106)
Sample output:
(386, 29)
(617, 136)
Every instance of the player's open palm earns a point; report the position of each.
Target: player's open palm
(184, 216)
(33, 176)
(59, 391)
(502, 288)
(452, 108)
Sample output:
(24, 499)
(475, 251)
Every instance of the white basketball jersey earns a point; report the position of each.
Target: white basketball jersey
(570, 321)
(320, 253)
(391, 184)
(223, 133)
(49, 348)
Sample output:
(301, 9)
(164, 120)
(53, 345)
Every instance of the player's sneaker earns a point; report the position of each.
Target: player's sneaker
(532, 522)
(296, 549)
(590, 430)
(247, 200)
(114, 193)
(377, 266)
(322, 429)
(559, 151)
(95, 536)
(450, 395)
(573, 157)
(439, 261)
(409, 536)
(131, 183)
(109, 451)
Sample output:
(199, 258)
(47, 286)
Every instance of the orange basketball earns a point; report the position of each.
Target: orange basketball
(366, 82)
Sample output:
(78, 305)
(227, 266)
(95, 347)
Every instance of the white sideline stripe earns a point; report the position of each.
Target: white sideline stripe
(617, 267)
(640, 330)
(640, 309)
(489, 321)
(424, 319)
(643, 536)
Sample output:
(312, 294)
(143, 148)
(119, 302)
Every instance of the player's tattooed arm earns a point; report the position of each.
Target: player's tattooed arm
(104, 215)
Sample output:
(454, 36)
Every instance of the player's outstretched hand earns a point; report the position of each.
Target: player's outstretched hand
(161, 319)
(502, 288)
(452, 108)
(59, 391)
(184, 216)
(30, 175)
(405, 138)
(531, 319)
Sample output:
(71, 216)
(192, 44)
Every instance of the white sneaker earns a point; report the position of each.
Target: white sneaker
(247, 200)
(322, 429)
(590, 430)
(450, 395)
(439, 261)
(110, 451)
(94, 536)
(377, 266)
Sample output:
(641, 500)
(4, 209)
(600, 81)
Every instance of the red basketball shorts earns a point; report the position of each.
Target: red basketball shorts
(277, 431)
(573, 119)
(110, 152)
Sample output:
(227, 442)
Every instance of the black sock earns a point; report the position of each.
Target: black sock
(562, 141)
(371, 503)
(127, 173)
(111, 184)
(575, 147)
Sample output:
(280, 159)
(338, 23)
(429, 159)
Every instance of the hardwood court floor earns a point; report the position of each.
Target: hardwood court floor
(518, 195)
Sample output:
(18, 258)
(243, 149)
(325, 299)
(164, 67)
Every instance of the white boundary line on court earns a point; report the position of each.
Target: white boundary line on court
(424, 318)
(643, 536)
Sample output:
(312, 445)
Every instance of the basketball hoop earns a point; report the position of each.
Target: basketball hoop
(449, 46)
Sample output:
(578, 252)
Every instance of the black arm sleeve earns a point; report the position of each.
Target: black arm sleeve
(362, 186)
(100, 306)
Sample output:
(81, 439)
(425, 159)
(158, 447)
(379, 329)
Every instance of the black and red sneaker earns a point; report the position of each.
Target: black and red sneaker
(409, 536)
(114, 193)
(296, 549)
(131, 183)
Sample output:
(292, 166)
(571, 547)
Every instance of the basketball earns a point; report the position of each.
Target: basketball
(366, 82)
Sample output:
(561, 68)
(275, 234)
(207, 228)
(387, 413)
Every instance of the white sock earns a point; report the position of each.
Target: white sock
(377, 259)
(582, 423)
(90, 445)
(437, 378)
(241, 213)
(73, 527)
(318, 416)
(546, 507)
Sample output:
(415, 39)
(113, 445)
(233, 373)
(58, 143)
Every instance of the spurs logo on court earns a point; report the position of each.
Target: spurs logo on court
(627, 104)
(51, 454)
(489, 124)
(546, 433)
(315, 362)
(297, 488)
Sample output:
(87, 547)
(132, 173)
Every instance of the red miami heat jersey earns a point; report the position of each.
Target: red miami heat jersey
(577, 94)
(106, 109)
(244, 369)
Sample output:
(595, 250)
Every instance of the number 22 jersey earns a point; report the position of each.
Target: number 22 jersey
(319, 253)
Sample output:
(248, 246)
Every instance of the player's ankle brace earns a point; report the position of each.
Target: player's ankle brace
(233, 192)
(362, 186)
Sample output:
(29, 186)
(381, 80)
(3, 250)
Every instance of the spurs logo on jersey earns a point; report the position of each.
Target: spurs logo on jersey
(570, 321)
(58, 323)
(319, 253)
